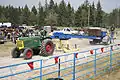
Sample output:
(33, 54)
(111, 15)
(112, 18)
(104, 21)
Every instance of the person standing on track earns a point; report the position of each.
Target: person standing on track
(112, 31)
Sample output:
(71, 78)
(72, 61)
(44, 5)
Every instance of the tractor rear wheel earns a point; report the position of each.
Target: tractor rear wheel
(28, 53)
(15, 53)
(47, 47)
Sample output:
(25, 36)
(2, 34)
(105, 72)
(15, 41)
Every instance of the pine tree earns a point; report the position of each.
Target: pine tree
(46, 8)
(3, 18)
(105, 19)
(51, 18)
(99, 15)
(62, 16)
(92, 15)
(26, 14)
(41, 15)
(6, 12)
(33, 19)
(70, 16)
(15, 16)
(34, 10)
(46, 5)
(51, 5)
(78, 17)
(0, 10)
(85, 14)
(119, 17)
(56, 8)
(21, 17)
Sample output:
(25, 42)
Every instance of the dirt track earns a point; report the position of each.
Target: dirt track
(6, 48)
(6, 59)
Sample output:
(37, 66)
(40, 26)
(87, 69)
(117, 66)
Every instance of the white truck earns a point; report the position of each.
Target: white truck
(67, 31)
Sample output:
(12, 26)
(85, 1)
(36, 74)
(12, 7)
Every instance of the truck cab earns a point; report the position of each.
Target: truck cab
(98, 35)
(67, 31)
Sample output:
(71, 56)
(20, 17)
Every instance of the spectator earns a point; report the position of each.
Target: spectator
(13, 36)
(9, 35)
(5, 34)
(112, 31)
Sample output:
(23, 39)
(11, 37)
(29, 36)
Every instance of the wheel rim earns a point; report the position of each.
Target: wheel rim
(29, 54)
(49, 48)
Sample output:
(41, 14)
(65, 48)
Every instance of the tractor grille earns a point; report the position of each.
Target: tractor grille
(19, 43)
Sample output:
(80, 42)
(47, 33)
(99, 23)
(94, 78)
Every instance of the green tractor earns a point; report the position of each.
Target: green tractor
(35, 45)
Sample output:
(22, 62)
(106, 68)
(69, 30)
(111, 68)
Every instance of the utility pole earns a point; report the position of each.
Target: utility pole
(88, 15)
(117, 16)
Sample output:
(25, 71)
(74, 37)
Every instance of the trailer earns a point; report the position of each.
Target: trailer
(69, 36)
(95, 36)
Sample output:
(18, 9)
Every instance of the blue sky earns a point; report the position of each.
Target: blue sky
(107, 5)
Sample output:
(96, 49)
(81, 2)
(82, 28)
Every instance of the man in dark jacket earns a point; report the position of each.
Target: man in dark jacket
(112, 31)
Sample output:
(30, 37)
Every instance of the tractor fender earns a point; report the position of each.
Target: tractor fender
(47, 38)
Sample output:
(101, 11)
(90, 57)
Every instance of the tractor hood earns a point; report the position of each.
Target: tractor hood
(28, 38)
(28, 42)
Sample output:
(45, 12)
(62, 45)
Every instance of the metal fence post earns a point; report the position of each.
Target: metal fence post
(110, 57)
(95, 63)
(40, 69)
(59, 68)
(74, 66)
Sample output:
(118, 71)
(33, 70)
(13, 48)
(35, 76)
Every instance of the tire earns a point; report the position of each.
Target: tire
(15, 53)
(91, 42)
(1, 42)
(47, 48)
(28, 53)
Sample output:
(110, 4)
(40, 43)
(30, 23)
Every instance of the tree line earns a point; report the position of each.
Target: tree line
(62, 14)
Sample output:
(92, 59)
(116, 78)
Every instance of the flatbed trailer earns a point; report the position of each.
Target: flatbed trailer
(69, 36)
(92, 38)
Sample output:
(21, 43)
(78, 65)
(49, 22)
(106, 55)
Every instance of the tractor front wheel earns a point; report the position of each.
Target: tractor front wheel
(47, 47)
(91, 42)
(15, 53)
(28, 53)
